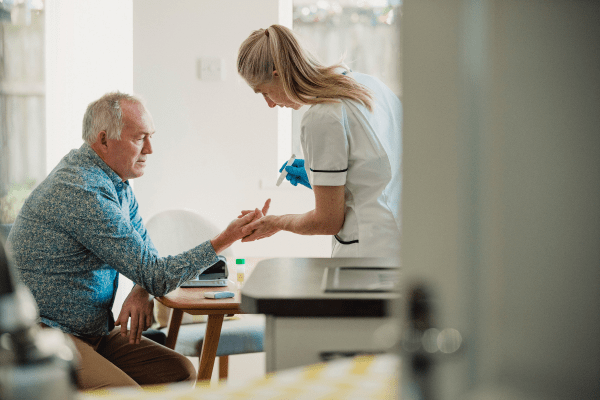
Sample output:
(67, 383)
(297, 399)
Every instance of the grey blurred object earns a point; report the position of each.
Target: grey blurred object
(35, 363)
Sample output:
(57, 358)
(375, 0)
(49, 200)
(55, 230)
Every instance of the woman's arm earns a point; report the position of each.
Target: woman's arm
(326, 219)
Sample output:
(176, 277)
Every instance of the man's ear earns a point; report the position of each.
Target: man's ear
(102, 140)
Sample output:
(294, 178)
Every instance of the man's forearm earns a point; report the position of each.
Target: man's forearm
(141, 291)
(220, 242)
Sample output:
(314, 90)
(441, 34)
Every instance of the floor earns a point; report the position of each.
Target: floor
(242, 368)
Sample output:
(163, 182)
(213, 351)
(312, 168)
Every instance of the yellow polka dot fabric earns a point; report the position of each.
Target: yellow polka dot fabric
(362, 377)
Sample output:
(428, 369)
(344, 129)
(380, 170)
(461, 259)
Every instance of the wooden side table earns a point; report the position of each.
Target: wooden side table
(192, 301)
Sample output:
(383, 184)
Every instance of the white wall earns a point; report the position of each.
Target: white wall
(214, 141)
(89, 51)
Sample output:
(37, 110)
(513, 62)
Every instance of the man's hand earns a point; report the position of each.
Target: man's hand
(232, 233)
(264, 211)
(138, 306)
(261, 228)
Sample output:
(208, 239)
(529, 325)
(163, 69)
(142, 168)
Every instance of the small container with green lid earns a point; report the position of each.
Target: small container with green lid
(240, 269)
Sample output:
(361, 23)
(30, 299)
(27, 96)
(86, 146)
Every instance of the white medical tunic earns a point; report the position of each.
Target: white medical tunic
(345, 144)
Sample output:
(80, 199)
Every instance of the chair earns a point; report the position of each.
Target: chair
(173, 232)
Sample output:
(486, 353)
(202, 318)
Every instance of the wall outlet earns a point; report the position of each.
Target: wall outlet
(210, 69)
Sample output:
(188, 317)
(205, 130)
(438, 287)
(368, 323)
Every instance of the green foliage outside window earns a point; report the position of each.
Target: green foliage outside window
(11, 204)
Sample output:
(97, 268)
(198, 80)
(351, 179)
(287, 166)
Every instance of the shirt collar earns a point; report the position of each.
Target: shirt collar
(112, 175)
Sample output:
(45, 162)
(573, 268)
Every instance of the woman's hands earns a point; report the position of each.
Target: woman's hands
(261, 228)
(235, 231)
(250, 233)
(326, 219)
(296, 173)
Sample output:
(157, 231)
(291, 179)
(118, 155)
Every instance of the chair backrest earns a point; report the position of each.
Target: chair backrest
(176, 231)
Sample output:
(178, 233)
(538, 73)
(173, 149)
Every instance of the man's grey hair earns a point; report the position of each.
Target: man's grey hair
(105, 114)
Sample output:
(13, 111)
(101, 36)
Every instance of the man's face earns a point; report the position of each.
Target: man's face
(127, 156)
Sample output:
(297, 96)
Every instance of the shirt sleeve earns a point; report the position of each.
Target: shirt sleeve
(325, 144)
(114, 233)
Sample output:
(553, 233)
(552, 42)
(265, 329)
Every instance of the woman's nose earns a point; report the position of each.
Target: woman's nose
(270, 102)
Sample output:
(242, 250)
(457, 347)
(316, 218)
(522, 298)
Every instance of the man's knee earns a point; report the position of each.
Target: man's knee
(188, 372)
(170, 368)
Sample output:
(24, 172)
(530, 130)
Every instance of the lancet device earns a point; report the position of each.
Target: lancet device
(284, 172)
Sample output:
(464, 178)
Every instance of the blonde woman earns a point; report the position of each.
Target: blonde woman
(351, 140)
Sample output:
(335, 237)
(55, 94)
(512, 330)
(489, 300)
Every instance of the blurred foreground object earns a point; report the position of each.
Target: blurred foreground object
(35, 363)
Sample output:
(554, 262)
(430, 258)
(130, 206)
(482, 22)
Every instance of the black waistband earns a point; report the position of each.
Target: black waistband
(343, 242)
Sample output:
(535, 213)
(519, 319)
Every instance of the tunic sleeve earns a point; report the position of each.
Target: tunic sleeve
(325, 144)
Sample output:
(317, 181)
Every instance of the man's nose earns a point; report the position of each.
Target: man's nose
(147, 149)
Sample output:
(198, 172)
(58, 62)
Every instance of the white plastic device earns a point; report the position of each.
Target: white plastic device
(218, 295)
(284, 172)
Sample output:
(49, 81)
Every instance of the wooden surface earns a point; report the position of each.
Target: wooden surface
(173, 328)
(192, 301)
(209, 346)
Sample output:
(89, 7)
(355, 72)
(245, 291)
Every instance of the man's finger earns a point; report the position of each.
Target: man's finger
(141, 327)
(244, 212)
(265, 209)
(249, 215)
(123, 319)
(148, 321)
(249, 238)
(247, 218)
(248, 229)
(134, 328)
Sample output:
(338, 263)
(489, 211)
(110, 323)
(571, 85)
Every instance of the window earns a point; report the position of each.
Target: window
(22, 104)
(365, 32)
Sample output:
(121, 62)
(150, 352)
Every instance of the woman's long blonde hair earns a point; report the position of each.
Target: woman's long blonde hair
(305, 79)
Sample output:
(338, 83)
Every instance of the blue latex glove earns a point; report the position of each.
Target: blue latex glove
(296, 173)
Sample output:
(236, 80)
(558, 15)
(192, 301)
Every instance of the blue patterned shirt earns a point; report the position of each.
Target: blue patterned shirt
(76, 231)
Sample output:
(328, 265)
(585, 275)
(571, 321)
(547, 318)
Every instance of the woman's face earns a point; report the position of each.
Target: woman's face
(275, 95)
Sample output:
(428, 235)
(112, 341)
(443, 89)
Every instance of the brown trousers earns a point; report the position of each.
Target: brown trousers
(110, 361)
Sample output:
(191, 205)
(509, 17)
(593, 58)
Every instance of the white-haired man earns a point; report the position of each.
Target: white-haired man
(80, 228)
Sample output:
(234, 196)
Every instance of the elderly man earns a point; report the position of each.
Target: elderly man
(81, 227)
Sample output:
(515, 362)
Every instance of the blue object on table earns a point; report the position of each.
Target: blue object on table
(296, 173)
(218, 295)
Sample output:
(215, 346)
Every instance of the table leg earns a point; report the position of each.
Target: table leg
(209, 346)
(173, 327)
(223, 367)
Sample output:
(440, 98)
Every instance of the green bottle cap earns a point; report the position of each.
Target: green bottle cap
(240, 261)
